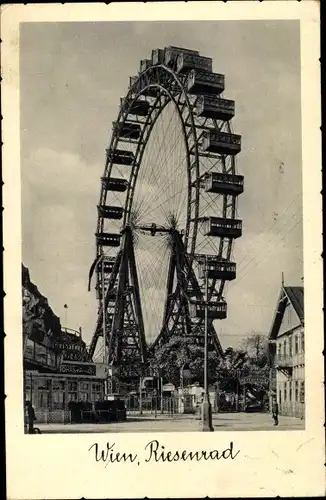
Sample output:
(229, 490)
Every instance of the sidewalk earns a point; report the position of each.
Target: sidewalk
(179, 423)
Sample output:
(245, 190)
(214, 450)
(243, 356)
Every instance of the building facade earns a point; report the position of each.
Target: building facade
(287, 352)
(56, 365)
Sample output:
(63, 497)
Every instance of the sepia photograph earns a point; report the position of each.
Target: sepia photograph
(162, 251)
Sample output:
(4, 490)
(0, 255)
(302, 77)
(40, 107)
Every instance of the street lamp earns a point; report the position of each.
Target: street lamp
(206, 405)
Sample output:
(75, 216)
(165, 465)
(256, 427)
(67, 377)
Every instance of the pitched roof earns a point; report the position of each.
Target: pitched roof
(295, 295)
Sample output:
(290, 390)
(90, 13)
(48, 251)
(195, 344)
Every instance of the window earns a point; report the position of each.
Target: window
(84, 386)
(43, 399)
(83, 396)
(296, 390)
(44, 383)
(96, 387)
(279, 348)
(284, 349)
(59, 385)
(41, 353)
(285, 391)
(296, 344)
(58, 399)
(290, 391)
(72, 396)
(302, 341)
(290, 347)
(30, 349)
(72, 386)
(302, 392)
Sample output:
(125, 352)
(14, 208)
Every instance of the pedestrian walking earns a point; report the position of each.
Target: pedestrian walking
(275, 410)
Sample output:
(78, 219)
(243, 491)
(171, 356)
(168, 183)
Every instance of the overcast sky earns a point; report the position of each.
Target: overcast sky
(72, 78)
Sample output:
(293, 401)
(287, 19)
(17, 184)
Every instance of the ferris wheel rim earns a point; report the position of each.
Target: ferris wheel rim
(123, 118)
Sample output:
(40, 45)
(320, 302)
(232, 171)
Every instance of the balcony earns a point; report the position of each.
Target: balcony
(201, 82)
(284, 362)
(222, 227)
(114, 184)
(216, 310)
(212, 107)
(128, 130)
(221, 142)
(221, 183)
(108, 239)
(187, 62)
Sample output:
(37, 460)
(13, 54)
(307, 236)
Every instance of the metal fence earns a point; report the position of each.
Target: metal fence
(52, 417)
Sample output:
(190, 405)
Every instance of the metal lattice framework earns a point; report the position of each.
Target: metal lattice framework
(170, 176)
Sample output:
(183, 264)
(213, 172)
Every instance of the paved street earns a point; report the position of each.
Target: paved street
(180, 423)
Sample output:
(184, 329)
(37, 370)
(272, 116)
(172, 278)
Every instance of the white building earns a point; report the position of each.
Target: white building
(286, 347)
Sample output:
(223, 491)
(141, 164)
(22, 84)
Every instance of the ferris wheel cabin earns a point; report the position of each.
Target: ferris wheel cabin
(222, 227)
(187, 62)
(221, 183)
(110, 212)
(127, 130)
(213, 107)
(121, 156)
(138, 107)
(107, 264)
(114, 184)
(215, 310)
(172, 53)
(221, 142)
(202, 82)
(216, 268)
(108, 239)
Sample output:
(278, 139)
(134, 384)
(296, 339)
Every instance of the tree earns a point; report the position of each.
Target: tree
(256, 347)
(178, 354)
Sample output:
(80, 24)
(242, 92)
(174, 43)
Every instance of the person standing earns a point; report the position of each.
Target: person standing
(30, 417)
(275, 410)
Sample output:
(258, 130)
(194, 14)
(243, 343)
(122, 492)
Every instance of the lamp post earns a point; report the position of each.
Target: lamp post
(206, 406)
(105, 360)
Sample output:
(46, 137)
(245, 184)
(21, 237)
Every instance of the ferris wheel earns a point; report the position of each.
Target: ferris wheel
(167, 214)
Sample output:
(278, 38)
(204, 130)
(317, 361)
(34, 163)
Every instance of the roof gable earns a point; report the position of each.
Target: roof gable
(294, 296)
